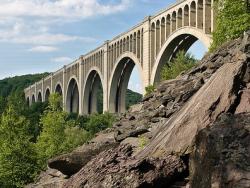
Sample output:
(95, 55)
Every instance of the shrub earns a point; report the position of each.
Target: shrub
(182, 62)
(150, 89)
(98, 122)
(232, 20)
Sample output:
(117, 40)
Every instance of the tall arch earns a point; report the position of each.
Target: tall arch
(179, 18)
(93, 88)
(163, 30)
(173, 21)
(28, 101)
(39, 97)
(193, 14)
(58, 89)
(33, 99)
(47, 94)
(200, 14)
(168, 25)
(119, 81)
(186, 15)
(208, 16)
(72, 97)
(182, 39)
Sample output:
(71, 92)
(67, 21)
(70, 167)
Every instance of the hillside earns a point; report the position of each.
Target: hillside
(18, 83)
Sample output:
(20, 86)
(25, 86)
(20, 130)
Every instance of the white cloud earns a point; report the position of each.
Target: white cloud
(43, 49)
(31, 21)
(72, 9)
(62, 60)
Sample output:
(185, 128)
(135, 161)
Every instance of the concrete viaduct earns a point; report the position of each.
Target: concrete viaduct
(148, 45)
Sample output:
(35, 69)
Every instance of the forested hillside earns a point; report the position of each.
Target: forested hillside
(18, 83)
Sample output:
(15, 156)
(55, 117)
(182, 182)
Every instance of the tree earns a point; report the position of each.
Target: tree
(182, 62)
(52, 136)
(59, 133)
(98, 122)
(18, 162)
(232, 20)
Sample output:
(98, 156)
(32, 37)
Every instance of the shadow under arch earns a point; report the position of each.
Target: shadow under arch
(72, 96)
(58, 89)
(39, 97)
(119, 79)
(47, 94)
(33, 99)
(93, 88)
(181, 39)
(28, 101)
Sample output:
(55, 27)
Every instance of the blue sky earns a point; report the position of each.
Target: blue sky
(43, 35)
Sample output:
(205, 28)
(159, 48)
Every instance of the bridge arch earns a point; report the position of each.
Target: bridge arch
(47, 94)
(58, 88)
(33, 99)
(92, 86)
(28, 101)
(181, 39)
(72, 96)
(39, 97)
(119, 79)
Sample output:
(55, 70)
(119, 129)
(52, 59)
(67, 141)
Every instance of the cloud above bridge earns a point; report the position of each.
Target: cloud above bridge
(32, 21)
(69, 9)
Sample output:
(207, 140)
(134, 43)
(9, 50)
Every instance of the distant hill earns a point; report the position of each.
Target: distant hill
(19, 83)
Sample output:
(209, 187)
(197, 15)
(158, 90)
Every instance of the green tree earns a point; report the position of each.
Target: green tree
(232, 20)
(150, 89)
(59, 133)
(53, 123)
(182, 62)
(3, 103)
(98, 122)
(18, 162)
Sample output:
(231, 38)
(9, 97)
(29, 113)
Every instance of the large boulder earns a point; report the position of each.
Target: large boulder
(221, 157)
(116, 168)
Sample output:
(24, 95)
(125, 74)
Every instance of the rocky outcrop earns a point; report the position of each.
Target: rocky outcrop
(221, 157)
(116, 168)
(150, 145)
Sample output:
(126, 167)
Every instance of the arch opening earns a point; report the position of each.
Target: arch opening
(39, 97)
(119, 99)
(200, 14)
(72, 100)
(47, 94)
(93, 94)
(59, 89)
(33, 99)
(182, 42)
(193, 14)
(28, 101)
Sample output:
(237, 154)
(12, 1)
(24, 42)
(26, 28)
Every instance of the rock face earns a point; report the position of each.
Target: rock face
(116, 168)
(150, 145)
(221, 157)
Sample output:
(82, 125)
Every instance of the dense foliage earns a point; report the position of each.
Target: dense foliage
(18, 164)
(232, 20)
(182, 62)
(29, 136)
